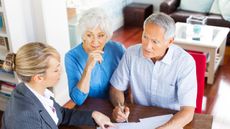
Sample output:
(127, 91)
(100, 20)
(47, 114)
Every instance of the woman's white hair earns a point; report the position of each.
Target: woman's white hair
(163, 21)
(95, 17)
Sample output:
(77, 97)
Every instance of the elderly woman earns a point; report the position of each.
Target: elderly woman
(90, 65)
(32, 105)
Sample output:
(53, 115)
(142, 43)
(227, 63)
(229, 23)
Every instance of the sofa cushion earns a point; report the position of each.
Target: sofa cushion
(224, 9)
(196, 5)
(217, 20)
(182, 15)
(215, 7)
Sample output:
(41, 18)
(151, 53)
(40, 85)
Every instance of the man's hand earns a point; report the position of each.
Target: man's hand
(102, 120)
(121, 114)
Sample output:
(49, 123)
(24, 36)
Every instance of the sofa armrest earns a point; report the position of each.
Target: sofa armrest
(169, 6)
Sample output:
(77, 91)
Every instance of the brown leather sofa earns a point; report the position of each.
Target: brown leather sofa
(171, 7)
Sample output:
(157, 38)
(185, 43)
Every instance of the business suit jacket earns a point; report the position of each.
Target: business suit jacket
(25, 111)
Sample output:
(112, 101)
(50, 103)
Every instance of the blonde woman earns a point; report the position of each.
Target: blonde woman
(90, 65)
(32, 105)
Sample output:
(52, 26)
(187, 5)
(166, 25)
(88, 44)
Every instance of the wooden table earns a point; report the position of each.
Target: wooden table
(200, 121)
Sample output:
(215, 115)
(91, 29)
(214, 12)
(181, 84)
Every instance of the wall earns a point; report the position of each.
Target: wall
(18, 27)
(114, 9)
(57, 35)
(43, 21)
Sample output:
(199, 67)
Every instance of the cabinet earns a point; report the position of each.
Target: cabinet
(136, 13)
(7, 79)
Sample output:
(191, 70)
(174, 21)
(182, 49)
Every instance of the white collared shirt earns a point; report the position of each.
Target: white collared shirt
(168, 83)
(46, 102)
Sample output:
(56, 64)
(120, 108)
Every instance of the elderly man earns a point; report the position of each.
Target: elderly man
(158, 72)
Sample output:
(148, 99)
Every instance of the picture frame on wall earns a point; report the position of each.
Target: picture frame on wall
(4, 43)
(2, 24)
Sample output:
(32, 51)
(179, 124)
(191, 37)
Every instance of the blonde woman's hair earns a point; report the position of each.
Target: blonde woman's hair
(31, 59)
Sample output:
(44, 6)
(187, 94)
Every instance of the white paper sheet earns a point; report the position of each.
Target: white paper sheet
(146, 123)
(130, 125)
(154, 122)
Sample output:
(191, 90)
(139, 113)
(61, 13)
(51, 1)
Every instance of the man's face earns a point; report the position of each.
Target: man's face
(154, 45)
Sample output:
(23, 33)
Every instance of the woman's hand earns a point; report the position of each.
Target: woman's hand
(102, 120)
(93, 57)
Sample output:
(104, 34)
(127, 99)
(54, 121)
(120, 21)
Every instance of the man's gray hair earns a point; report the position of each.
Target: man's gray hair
(92, 18)
(164, 21)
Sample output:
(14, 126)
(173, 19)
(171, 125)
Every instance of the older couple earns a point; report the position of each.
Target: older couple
(158, 72)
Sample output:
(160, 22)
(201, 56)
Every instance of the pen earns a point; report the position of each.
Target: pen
(122, 107)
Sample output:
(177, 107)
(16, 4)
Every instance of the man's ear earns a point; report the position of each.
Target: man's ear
(170, 41)
(37, 78)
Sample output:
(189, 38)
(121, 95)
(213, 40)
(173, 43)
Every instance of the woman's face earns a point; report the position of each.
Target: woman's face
(94, 39)
(53, 73)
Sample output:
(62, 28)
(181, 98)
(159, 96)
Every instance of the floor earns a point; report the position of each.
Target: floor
(216, 96)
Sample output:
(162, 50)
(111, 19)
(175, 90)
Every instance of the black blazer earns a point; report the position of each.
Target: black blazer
(25, 111)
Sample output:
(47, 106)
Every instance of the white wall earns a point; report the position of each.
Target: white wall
(38, 20)
(17, 25)
(114, 9)
(43, 21)
(156, 3)
(57, 35)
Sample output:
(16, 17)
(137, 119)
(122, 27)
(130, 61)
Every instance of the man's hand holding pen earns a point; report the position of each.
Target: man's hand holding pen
(121, 113)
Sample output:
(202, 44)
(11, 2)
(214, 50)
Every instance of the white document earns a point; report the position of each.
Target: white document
(154, 122)
(130, 125)
(146, 123)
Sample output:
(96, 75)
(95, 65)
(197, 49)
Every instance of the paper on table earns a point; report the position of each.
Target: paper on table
(146, 123)
(157, 118)
(130, 125)
(154, 122)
